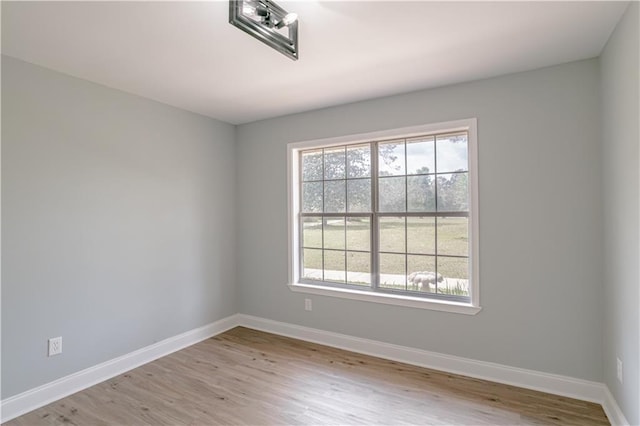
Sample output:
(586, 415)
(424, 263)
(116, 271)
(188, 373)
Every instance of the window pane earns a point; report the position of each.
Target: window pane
(392, 234)
(391, 194)
(359, 161)
(453, 236)
(312, 165)
(359, 233)
(391, 158)
(421, 193)
(312, 264)
(312, 197)
(392, 271)
(312, 232)
(451, 153)
(359, 195)
(421, 273)
(359, 268)
(334, 163)
(334, 266)
(453, 192)
(421, 235)
(334, 196)
(420, 156)
(334, 233)
(421, 176)
(455, 271)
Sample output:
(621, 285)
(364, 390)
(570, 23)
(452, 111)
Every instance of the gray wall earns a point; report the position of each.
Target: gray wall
(621, 191)
(540, 221)
(117, 224)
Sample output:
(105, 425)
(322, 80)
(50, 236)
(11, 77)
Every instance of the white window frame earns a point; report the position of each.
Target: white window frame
(293, 187)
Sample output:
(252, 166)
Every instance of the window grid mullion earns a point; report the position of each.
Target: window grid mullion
(390, 214)
(346, 209)
(375, 266)
(300, 219)
(406, 209)
(424, 214)
(323, 216)
(435, 194)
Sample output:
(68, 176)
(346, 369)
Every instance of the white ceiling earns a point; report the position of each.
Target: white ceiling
(186, 54)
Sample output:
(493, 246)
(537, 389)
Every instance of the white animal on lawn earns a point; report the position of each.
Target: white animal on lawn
(422, 279)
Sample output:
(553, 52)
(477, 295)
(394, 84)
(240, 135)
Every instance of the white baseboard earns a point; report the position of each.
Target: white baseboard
(551, 383)
(529, 379)
(612, 410)
(35, 398)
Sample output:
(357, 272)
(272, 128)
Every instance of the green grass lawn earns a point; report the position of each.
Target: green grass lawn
(340, 238)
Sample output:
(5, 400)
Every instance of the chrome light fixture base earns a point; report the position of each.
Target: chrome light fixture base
(268, 22)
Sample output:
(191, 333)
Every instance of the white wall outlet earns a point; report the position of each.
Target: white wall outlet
(307, 305)
(619, 369)
(55, 346)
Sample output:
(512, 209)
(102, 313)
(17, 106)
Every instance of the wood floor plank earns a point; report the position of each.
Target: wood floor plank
(248, 377)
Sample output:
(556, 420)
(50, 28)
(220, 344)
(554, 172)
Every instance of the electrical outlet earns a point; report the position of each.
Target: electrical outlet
(619, 369)
(55, 346)
(307, 305)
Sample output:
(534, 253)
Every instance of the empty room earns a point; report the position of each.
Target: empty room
(313, 212)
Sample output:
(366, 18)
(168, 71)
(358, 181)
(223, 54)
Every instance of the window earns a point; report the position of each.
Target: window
(388, 217)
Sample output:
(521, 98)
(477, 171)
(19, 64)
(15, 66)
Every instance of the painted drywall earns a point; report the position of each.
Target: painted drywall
(540, 221)
(118, 223)
(620, 73)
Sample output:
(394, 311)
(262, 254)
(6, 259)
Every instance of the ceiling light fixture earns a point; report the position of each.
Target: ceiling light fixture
(268, 22)
(288, 19)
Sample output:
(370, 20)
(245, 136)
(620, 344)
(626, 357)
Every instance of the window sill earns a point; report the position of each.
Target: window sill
(388, 299)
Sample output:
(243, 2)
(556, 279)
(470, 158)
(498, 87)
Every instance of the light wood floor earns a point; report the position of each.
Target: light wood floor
(250, 377)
